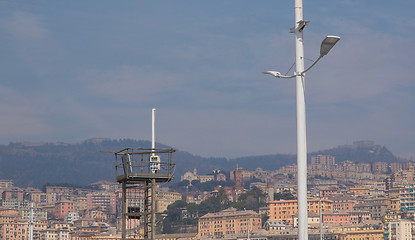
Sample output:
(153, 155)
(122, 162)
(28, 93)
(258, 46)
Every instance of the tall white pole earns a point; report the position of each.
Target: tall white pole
(301, 125)
(31, 222)
(153, 129)
(153, 181)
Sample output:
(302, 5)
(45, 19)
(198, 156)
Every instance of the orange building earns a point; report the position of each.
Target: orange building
(284, 210)
(359, 191)
(229, 221)
(336, 218)
(7, 219)
(14, 230)
(62, 208)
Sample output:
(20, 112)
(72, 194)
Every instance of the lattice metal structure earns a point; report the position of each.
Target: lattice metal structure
(139, 170)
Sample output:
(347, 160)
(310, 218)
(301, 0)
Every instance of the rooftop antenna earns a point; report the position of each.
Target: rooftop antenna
(154, 159)
(153, 130)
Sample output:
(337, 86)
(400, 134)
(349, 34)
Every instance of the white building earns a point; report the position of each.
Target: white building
(400, 229)
(71, 217)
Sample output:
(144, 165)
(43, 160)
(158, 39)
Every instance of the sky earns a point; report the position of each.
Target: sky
(75, 70)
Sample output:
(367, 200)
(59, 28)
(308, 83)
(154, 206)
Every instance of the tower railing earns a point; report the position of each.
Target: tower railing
(136, 165)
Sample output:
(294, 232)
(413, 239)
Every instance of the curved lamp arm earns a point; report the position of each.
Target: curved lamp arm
(312, 65)
(327, 44)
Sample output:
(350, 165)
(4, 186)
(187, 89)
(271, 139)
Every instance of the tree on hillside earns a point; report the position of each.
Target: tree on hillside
(214, 203)
(251, 200)
(174, 210)
(286, 195)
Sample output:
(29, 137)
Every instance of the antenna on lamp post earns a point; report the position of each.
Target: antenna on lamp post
(153, 130)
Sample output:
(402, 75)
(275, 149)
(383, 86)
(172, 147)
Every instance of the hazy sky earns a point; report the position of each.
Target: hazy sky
(73, 70)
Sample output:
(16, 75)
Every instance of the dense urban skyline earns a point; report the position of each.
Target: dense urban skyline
(77, 70)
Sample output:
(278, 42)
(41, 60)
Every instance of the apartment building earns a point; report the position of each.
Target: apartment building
(313, 220)
(360, 217)
(105, 200)
(395, 167)
(336, 218)
(376, 210)
(359, 191)
(398, 229)
(15, 204)
(55, 234)
(62, 208)
(228, 222)
(57, 193)
(6, 184)
(284, 210)
(38, 214)
(407, 197)
(322, 162)
(38, 197)
(380, 167)
(391, 217)
(13, 193)
(80, 203)
(15, 230)
(354, 232)
(165, 198)
(343, 203)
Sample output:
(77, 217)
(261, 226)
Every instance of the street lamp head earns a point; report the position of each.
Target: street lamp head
(273, 73)
(327, 44)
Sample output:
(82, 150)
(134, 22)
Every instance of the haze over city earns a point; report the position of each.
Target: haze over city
(76, 70)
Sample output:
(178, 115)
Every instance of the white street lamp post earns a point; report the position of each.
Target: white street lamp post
(299, 75)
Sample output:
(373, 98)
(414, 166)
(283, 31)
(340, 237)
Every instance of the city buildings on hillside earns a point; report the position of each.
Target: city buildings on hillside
(356, 201)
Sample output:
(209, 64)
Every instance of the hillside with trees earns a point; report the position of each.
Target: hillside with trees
(29, 164)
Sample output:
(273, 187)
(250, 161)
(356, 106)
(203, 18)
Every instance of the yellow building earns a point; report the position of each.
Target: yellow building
(284, 210)
(228, 222)
(165, 198)
(394, 204)
(367, 232)
(391, 217)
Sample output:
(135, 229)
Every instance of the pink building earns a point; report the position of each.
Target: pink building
(62, 208)
(105, 200)
(336, 218)
(13, 193)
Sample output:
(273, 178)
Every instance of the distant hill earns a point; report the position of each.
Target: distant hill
(35, 164)
(361, 151)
